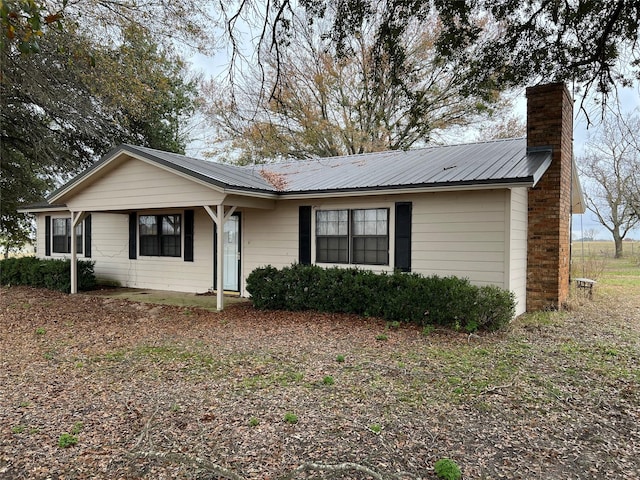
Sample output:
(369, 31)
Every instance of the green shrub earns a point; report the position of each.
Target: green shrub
(399, 297)
(54, 274)
(447, 469)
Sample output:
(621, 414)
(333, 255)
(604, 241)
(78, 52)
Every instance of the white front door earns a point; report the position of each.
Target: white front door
(231, 253)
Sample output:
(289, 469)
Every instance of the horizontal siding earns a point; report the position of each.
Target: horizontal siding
(454, 233)
(110, 245)
(136, 184)
(270, 237)
(518, 263)
(461, 234)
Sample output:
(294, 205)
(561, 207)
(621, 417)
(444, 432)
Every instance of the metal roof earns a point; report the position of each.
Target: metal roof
(474, 164)
(494, 162)
(220, 174)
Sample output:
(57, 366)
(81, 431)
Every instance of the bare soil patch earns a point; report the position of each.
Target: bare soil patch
(157, 391)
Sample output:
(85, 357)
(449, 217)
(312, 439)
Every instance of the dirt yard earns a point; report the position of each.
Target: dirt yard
(104, 388)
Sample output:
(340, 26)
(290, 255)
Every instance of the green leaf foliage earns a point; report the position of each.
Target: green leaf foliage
(51, 274)
(448, 301)
(64, 107)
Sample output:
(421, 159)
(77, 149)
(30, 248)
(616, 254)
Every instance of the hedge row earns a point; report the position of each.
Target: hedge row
(52, 274)
(433, 300)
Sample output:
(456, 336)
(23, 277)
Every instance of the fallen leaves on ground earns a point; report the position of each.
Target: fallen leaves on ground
(170, 392)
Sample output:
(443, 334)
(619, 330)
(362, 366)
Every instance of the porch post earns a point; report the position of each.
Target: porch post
(76, 218)
(220, 258)
(219, 218)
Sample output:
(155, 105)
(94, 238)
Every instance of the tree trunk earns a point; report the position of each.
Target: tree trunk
(618, 241)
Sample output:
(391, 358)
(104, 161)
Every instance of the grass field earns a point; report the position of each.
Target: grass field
(596, 260)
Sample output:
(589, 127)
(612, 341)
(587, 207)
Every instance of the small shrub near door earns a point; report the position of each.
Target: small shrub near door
(448, 301)
(51, 274)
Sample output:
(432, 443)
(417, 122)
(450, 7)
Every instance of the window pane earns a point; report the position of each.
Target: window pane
(332, 222)
(343, 252)
(358, 250)
(370, 215)
(332, 241)
(171, 225)
(59, 226)
(332, 249)
(370, 222)
(61, 235)
(79, 238)
(321, 250)
(148, 245)
(60, 244)
(148, 225)
(170, 246)
(371, 250)
(343, 222)
(160, 235)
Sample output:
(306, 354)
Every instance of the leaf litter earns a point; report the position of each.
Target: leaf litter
(174, 392)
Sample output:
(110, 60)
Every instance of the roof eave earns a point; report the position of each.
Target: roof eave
(144, 156)
(41, 208)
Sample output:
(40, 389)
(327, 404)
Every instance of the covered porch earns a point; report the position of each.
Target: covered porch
(220, 262)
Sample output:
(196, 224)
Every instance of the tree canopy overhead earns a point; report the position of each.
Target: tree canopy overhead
(325, 105)
(590, 42)
(75, 96)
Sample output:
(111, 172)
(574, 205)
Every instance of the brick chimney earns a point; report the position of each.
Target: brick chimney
(550, 124)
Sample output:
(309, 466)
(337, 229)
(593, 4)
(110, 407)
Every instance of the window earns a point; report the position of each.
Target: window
(332, 236)
(370, 236)
(160, 235)
(62, 236)
(353, 236)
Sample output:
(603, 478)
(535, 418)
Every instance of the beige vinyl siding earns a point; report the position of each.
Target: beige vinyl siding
(460, 233)
(518, 247)
(40, 235)
(136, 184)
(269, 237)
(110, 252)
(453, 233)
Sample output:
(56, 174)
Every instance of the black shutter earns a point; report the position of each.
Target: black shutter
(304, 235)
(47, 236)
(403, 237)
(87, 236)
(188, 235)
(133, 235)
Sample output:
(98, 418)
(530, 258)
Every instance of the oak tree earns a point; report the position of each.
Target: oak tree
(591, 43)
(70, 102)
